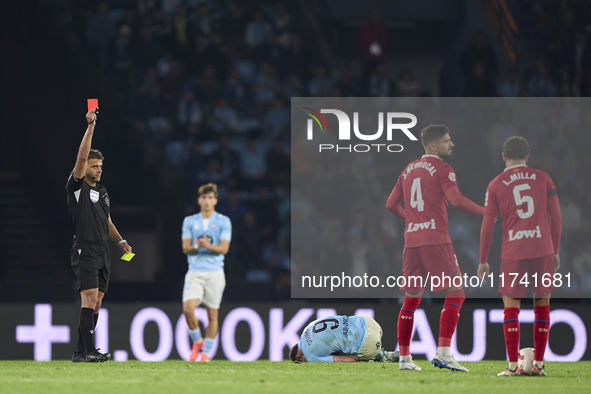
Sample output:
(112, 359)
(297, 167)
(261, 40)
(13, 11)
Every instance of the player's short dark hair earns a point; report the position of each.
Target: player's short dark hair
(208, 188)
(294, 352)
(516, 148)
(95, 154)
(433, 133)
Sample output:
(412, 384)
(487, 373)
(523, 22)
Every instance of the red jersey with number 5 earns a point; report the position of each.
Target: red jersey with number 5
(520, 193)
(423, 184)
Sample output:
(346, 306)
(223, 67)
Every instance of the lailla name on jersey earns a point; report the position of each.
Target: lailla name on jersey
(520, 175)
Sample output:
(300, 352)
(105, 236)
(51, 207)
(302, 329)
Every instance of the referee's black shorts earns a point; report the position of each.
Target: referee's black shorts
(92, 265)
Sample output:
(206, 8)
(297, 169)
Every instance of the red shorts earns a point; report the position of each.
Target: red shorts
(515, 286)
(427, 261)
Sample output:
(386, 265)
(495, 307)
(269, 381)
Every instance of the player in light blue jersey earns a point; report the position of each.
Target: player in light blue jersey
(206, 240)
(341, 339)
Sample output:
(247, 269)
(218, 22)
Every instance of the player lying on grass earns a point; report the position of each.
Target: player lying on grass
(341, 339)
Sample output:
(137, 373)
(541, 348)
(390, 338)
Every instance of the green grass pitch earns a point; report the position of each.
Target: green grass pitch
(132, 377)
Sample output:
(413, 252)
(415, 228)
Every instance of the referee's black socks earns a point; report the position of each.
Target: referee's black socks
(80, 343)
(86, 328)
(80, 348)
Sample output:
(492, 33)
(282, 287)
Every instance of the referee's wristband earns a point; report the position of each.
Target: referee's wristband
(122, 241)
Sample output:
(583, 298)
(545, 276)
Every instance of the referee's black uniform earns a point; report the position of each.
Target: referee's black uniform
(90, 259)
(89, 207)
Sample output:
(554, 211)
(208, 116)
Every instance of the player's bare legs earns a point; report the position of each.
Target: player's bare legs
(189, 307)
(212, 327)
(541, 332)
(194, 331)
(448, 321)
(99, 302)
(404, 330)
(89, 298)
(210, 333)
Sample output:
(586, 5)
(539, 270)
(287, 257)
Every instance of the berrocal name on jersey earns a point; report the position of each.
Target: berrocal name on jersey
(421, 164)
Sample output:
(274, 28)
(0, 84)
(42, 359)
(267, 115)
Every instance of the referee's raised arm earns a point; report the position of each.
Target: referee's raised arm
(84, 150)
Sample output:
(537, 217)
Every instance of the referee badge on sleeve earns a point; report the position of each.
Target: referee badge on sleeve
(94, 196)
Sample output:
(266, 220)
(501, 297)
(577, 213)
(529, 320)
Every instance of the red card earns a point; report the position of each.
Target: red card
(92, 104)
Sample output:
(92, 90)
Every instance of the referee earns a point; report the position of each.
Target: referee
(89, 206)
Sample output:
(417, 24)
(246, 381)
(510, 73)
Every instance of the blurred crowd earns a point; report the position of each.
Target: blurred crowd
(554, 61)
(554, 58)
(208, 86)
(356, 232)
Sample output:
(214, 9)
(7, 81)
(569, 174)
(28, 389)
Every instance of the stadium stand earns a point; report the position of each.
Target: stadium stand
(199, 91)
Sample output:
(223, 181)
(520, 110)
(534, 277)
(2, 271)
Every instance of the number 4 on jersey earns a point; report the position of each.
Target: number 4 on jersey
(416, 197)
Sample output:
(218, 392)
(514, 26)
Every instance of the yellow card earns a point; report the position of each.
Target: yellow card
(127, 256)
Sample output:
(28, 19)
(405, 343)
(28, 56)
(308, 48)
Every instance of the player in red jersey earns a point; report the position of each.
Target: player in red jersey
(426, 186)
(525, 196)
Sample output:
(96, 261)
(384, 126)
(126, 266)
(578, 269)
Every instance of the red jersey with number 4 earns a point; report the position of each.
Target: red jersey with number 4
(520, 193)
(423, 183)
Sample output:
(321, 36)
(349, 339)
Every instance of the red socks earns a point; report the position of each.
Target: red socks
(541, 330)
(511, 330)
(449, 316)
(405, 322)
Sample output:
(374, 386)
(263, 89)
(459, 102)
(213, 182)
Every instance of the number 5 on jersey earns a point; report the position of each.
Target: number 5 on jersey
(416, 197)
(519, 200)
